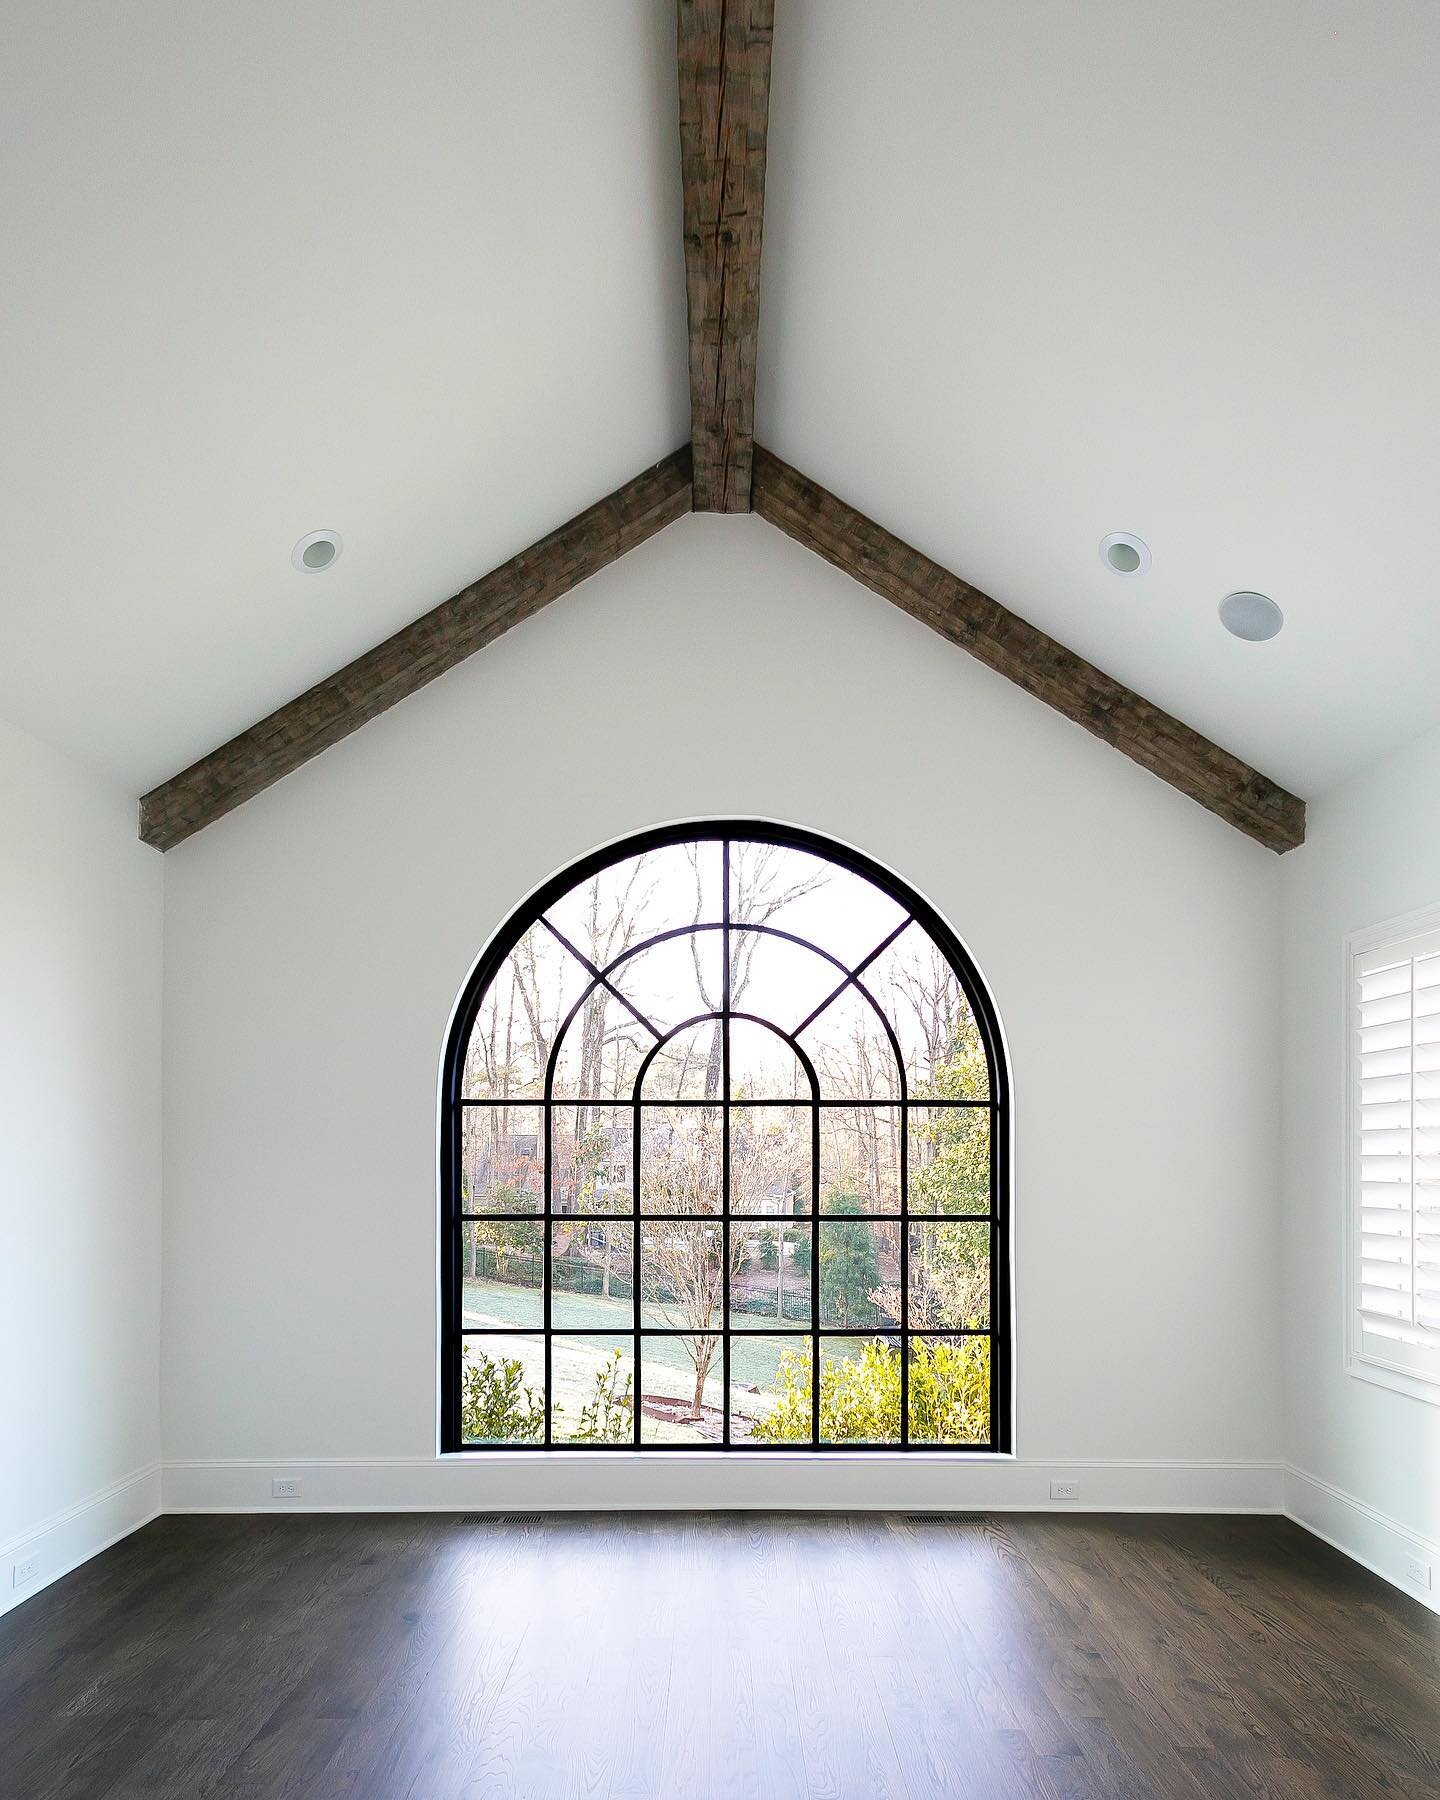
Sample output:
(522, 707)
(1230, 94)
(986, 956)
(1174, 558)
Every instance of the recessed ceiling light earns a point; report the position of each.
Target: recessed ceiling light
(1253, 617)
(1125, 553)
(316, 551)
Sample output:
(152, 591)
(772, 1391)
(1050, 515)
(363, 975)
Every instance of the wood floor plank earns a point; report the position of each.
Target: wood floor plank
(760, 1657)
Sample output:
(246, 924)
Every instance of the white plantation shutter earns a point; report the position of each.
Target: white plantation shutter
(1395, 1155)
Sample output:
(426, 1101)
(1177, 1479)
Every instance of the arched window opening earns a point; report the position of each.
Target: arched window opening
(724, 1162)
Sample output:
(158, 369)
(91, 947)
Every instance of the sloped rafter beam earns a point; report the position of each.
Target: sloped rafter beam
(415, 655)
(724, 60)
(1025, 655)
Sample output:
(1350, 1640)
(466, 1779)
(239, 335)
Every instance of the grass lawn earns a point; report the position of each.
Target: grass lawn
(667, 1369)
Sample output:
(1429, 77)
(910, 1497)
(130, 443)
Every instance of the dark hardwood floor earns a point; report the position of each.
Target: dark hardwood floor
(442, 1656)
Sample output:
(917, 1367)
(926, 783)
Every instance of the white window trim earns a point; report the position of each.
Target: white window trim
(1360, 1360)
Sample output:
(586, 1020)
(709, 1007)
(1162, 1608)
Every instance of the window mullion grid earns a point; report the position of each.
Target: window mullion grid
(547, 1125)
(997, 1107)
(814, 1274)
(635, 1312)
(904, 1308)
(455, 1281)
(725, 999)
(997, 1149)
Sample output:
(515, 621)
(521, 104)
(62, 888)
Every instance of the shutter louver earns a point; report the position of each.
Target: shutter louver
(1396, 1169)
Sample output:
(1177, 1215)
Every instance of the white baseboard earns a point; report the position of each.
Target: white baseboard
(1363, 1533)
(61, 1543)
(554, 1481)
(622, 1481)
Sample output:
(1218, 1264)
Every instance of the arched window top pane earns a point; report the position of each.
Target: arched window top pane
(916, 988)
(811, 897)
(725, 1162)
(688, 1065)
(852, 1049)
(675, 980)
(781, 979)
(764, 1064)
(639, 896)
(520, 1019)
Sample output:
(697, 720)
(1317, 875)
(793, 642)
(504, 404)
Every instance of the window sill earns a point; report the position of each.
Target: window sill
(1399, 1381)
(752, 1458)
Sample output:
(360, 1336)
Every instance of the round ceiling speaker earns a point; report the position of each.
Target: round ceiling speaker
(1254, 617)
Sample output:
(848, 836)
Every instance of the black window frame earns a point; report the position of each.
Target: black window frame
(453, 1107)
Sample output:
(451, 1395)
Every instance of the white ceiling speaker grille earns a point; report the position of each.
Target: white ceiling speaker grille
(1253, 617)
(317, 550)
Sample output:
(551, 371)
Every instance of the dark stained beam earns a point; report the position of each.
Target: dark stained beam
(724, 57)
(1025, 655)
(437, 641)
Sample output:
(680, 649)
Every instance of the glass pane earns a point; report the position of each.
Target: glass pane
(949, 1277)
(859, 1273)
(763, 1066)
(949, 1390)
(502, 1163)
(923, 999)
(681, 1159)
(851, 1050)
(859, 1391)
(688, 1066)
(770, 1157)
(771, 884)
(770, 1390)
(592, 1274)
(681, 1285)
(591, 1167)
(681, 1390)
(502, 1390)
(520, 1017)
(592, 1382)
(949, 1159)
(502, 1268)
(674, 980)
(639, 896)
(860, 1159)
(770, 1285)
(600, 1051)
(778, 980)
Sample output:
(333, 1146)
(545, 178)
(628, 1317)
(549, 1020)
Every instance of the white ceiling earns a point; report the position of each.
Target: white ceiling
(412, 272)
(1037, 271)
(1033, 272)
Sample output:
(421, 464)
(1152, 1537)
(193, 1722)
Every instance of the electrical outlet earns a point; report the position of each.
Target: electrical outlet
(285, 1487)
(23, 1573)
(1064, 1490)
(1417, 1571)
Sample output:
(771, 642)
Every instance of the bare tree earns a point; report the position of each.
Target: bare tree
(758, 892)
(683, 1261)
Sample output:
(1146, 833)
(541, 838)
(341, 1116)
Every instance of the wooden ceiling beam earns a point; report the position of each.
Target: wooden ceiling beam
(724, 61)
(1025, 655)
(415, 655)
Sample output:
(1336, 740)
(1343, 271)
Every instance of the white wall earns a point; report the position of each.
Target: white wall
(1367, 1460)
(80, 1174)
(316, 939)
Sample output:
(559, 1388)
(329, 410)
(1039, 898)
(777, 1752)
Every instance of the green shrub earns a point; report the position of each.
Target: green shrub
(495, 1405)
(608, 1417)
(860, 1395)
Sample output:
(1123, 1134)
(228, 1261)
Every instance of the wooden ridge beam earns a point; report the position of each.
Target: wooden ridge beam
(415, 655)
(724, 61)
(1025, 655)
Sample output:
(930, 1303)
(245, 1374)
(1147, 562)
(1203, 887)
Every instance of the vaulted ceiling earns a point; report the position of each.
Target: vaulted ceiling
(1032, 273)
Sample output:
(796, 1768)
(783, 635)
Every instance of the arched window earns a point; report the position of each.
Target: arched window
(725, 1162)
